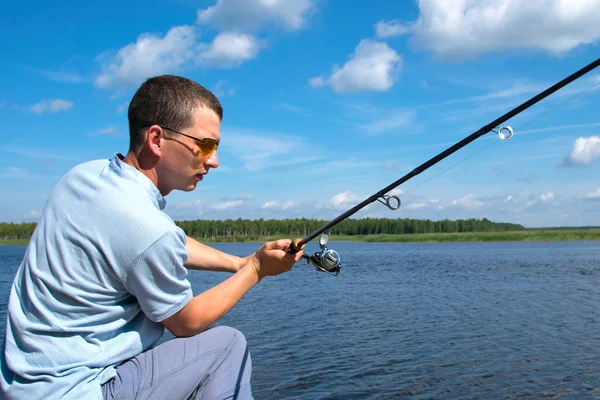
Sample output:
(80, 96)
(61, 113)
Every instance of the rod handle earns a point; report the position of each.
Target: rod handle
(294, 247)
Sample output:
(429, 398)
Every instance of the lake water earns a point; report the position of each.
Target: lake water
(419, 321)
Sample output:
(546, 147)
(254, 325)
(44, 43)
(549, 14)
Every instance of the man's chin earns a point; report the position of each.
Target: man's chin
(190, 187)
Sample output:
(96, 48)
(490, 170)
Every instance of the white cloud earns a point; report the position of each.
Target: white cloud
(229, 204)
(398, 120)
(517, 89)
(150, 55)
(465, 28)
(270, 204)
(230, 50)
(52, 106)
(14, 171)
(374, 66)
(342, 201)
(246, 15)
(396, 192)
(189, 204)
(61, 76)
(316, 81)
(108, 131)
(492, 206)
(245, 197)
(287, 205)
(33, 214)
(559, 128)
(467, 202)
(187, 209)
(431, 204)
(121, 108)
(276, 205)
(593, 195)
(544, 198)
(585, 151)
(416, 206)
(258, 150)
(391, 28)
(290, 107)
(220, 91)
(30, 152)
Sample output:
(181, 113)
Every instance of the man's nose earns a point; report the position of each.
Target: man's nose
(213, 160)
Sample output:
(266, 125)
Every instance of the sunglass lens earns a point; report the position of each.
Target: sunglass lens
(208, 146)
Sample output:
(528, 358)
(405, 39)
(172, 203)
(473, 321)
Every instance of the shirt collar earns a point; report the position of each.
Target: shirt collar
(127, 171)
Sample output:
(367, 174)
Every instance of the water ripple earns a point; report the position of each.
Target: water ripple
(422, 321)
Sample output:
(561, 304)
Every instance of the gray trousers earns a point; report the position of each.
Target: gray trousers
(214, 364)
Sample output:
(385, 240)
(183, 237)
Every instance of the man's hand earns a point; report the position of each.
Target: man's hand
(272, 258)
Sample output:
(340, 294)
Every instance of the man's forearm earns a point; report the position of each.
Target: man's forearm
(208, 307)
(207, 258)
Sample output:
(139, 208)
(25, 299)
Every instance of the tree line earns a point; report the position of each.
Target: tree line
(301, 227)
(10, 231)
(363, 226)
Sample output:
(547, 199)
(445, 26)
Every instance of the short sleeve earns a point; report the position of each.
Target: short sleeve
(158, 278)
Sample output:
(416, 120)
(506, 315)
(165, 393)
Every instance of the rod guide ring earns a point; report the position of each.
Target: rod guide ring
(505, 132)
(388, 201)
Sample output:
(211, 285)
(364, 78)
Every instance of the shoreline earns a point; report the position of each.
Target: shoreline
(533, 235)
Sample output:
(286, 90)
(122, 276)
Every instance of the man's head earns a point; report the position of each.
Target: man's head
(168, 100)
(174, 127)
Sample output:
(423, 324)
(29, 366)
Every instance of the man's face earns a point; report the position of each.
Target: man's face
(182, 165)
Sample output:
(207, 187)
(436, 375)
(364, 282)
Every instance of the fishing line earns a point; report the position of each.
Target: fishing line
(495, 142)
(328, 260)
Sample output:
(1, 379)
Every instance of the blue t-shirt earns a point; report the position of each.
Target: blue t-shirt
(103, 268)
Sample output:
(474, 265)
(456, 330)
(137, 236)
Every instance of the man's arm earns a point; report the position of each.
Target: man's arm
(207, 258)
(208, 307)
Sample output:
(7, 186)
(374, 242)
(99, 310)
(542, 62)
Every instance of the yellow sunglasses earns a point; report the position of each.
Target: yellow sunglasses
(207, 146)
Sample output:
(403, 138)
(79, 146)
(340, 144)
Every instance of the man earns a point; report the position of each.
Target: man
(106, 269)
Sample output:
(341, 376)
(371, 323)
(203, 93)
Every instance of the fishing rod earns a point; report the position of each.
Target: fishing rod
(328, 260)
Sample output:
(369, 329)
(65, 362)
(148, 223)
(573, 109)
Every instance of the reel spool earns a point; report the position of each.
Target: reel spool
(326, 260)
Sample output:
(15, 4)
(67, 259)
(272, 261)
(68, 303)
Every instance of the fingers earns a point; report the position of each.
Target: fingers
(282, 244)
(272, 258)
(298, 255)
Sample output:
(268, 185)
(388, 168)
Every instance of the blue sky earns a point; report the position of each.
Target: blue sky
(326, 102)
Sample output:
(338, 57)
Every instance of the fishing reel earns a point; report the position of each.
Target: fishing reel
(326, 260)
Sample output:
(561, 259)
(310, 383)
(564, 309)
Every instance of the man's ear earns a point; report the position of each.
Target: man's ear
(155, 140)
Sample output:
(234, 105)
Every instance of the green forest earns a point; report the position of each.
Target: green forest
(301, 227)
(349, 227)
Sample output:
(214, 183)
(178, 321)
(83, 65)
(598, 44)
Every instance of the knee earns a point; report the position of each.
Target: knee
(234, 337)
(232, 371)
(236, 350)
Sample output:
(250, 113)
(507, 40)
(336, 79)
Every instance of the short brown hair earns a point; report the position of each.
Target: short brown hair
(167, 100)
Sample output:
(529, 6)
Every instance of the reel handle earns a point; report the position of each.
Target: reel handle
(294, 248)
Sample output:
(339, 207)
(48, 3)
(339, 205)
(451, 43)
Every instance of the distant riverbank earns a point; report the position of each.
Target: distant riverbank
(532, 235)
(516, 236)
(529, 235)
